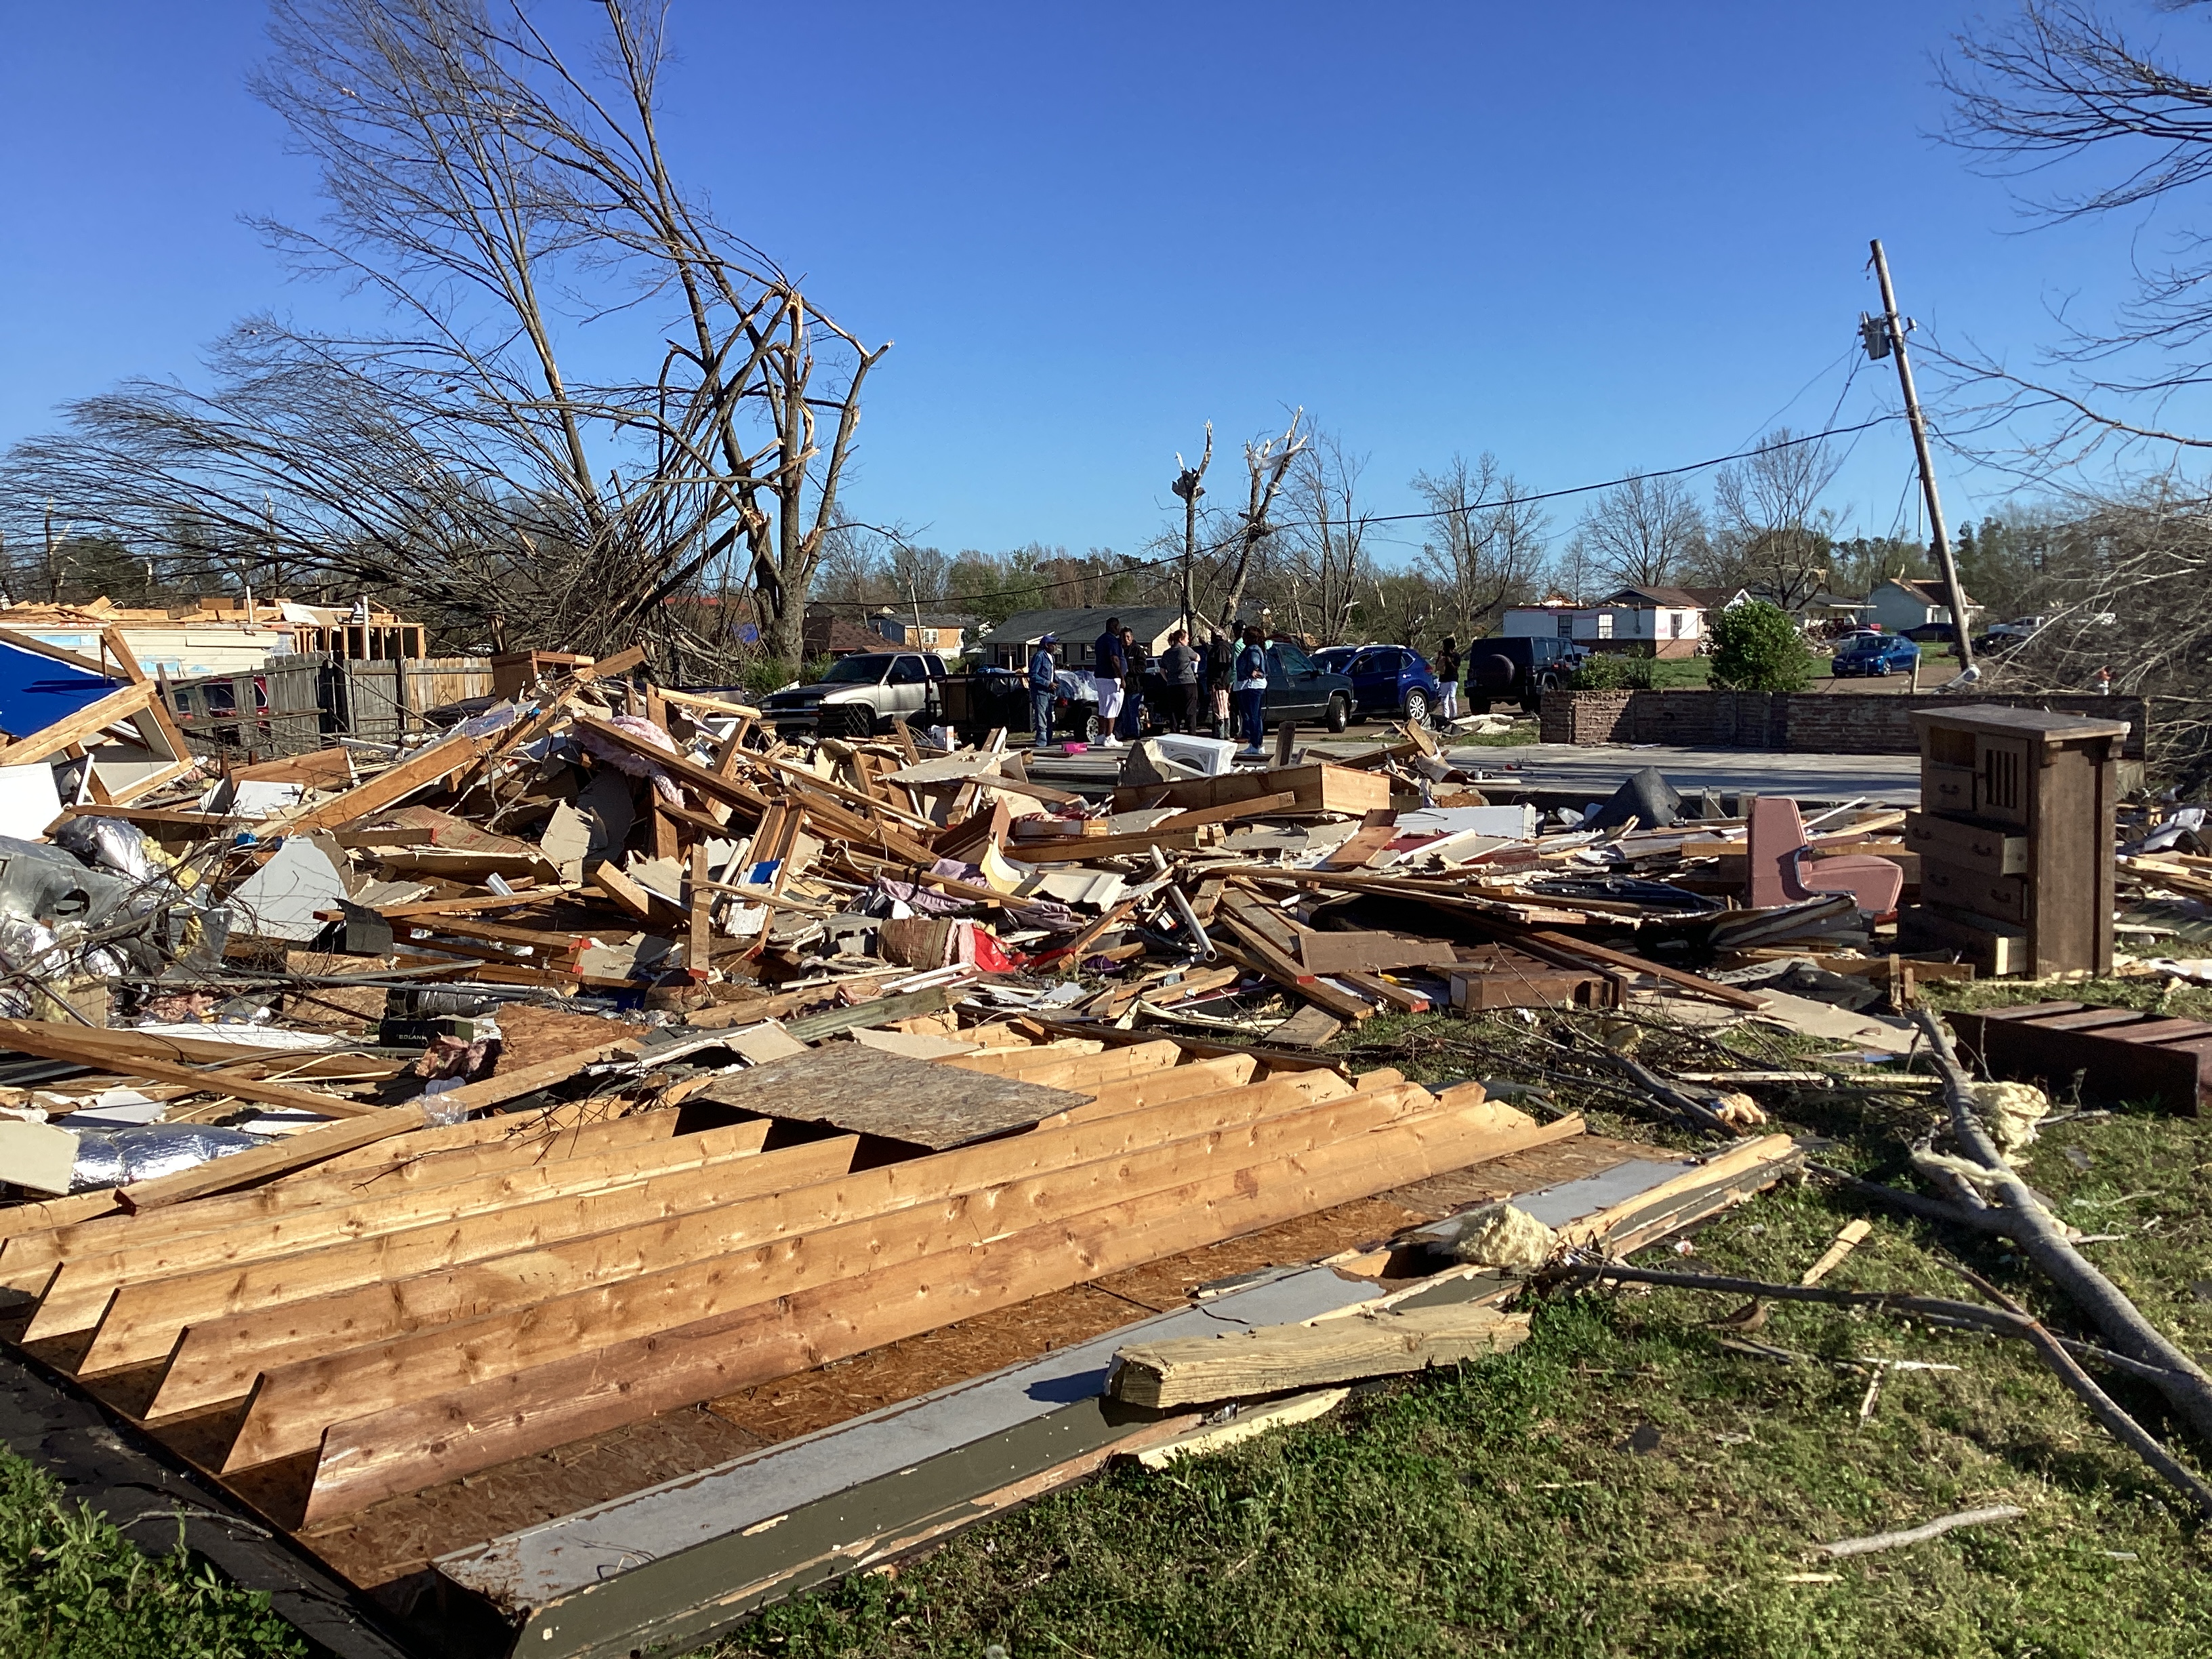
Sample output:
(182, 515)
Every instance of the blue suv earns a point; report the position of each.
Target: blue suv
(1386, 679)
(1874, 653)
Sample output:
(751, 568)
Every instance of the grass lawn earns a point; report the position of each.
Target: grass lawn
(73, 1587)
(1500, 1508)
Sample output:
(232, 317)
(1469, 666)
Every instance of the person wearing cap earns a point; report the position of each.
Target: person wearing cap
(1044, 681)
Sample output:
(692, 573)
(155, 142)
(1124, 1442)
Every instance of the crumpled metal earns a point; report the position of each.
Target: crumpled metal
(106, 844)
(110, 1157)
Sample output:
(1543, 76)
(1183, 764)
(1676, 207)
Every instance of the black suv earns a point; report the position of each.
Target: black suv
(1518, 668)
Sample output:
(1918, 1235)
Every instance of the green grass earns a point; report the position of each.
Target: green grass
(1496, 1508)
(73, 1587)
(1677, 673)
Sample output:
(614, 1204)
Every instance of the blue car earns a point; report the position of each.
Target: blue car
(1386, 679)
(1874, 653)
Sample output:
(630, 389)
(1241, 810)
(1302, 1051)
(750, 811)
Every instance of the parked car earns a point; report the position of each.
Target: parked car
(1932, 634)
(1874, 653)
(1386, 679)
(1299, 690)
(859, 695)
(976, 703)
(1518, 668)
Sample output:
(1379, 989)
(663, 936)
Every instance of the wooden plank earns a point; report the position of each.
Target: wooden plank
(1317, 786)
(1229, 812)
(868, 1091)
(1309, 1028)
(1768, 1152)
(424, 767)
(1324, 953)
(443, 1438)
(759, 1256)
(1546, 943)
(242, 1306)
(54, 1042)
(293, 1152)
(28, 1260)
(1071, 1068)
(1275, 1358)
(218, 1359)
(147, 1271)
(1082, 850)
(623, 890)
(85, 724)
(1260, 954)
(880, 1011)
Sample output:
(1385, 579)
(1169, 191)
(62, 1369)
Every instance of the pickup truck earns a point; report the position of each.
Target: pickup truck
(859, 695)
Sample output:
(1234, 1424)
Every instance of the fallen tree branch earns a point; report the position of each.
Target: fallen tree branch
(2010, 1320)
(2027, 1220)
(1921, 1534)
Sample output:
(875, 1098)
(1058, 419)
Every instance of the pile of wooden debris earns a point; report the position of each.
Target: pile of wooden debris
(606, 1166)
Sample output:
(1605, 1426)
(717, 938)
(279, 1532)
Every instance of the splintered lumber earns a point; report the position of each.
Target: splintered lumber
(53, 1041)
(1764, 1156)
(1055, 1069)
(156, 1274)
(41, 1216)
(219, 1358)
(291, 1404)
(87, 722)
(1228, 811)
(833, 1022)
(920, 1101)
(1082, 850)
(414, 1444)
(397, 781)
(1274, 1358)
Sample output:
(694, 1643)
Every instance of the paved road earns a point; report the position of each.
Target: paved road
(1892, 778)
(1595, 773)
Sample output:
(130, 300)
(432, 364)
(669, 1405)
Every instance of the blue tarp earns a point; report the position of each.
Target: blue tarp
(35, 691)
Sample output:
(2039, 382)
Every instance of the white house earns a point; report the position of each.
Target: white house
(1898, 605)
(1668, 620)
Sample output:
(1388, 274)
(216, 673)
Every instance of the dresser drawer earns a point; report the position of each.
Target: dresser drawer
(1969, 846)
(1946, 788)
(2004, 898)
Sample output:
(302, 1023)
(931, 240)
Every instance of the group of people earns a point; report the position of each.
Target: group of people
(1206, 685)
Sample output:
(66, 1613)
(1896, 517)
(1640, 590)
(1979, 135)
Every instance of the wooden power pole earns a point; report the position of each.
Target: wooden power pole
(1893, 335)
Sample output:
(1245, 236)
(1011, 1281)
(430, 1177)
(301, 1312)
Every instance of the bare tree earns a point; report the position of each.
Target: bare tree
(1189, 487)
(1268, 462)
(495, 198)
(1772, 528)
(1488, 541)
(1326, 566)
(1643, 532)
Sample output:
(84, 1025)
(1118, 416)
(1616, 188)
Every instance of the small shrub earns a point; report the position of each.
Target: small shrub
(814, 668)
(765, 674)
(1609, 672)
(1757, 647)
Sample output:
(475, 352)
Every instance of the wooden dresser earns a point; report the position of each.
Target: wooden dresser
(2014, 834)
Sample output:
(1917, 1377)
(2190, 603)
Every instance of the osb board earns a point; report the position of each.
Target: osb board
(867, 1091)
(385, 1546)
(532, 1034)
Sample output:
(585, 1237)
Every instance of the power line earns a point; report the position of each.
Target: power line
(1136, 565)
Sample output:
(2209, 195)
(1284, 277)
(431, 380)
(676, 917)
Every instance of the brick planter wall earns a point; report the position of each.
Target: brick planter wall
(1812, 722)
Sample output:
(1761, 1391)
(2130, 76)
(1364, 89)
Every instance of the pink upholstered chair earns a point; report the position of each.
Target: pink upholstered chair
(1782, 873)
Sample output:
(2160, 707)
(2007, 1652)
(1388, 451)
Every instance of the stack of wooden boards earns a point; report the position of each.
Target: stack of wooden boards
(449, 1299)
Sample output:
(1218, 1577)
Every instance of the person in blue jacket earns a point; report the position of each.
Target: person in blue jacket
(1043, 683)
(1251, 685)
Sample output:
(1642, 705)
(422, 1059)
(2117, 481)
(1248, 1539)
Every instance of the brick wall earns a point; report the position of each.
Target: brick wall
(1832, 723)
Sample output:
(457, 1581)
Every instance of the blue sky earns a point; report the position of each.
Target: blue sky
(1587, 238)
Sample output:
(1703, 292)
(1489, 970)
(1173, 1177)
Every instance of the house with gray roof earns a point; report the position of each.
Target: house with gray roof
(1009, 644)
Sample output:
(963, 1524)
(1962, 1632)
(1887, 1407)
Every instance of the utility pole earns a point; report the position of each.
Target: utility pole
(1189, 486)
(1891, 334)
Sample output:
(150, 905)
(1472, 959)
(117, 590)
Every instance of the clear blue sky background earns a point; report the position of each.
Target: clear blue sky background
(1588, 239)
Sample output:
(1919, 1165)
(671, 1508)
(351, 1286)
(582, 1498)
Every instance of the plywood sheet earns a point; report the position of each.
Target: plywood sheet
(868, 1091)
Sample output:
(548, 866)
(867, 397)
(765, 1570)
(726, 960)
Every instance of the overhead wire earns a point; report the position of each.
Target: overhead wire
(1134, 566)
